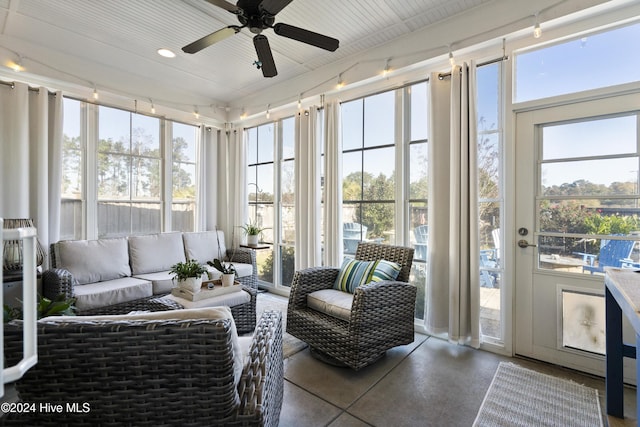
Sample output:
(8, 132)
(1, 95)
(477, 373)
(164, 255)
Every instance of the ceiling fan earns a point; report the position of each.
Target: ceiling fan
(259, 15)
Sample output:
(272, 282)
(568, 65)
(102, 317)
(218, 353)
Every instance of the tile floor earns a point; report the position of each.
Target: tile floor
(427, 383)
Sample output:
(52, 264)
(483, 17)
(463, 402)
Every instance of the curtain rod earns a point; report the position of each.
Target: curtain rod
(32, 89)
(489, 62)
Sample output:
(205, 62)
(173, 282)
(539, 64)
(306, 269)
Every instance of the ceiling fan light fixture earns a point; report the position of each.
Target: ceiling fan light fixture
(257, 16)
(167, 53)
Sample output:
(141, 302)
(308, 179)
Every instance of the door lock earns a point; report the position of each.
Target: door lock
(524, 244)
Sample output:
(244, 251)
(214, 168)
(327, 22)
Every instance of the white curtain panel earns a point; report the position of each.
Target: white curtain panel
(232, 187)
(207, 178)
(453, 291)
(333, 246)
(31, 151)
(307, 195)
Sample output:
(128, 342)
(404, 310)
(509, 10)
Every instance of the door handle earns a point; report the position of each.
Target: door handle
(524, 244)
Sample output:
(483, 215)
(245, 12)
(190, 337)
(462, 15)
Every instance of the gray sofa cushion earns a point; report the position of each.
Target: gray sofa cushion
(93, 260)
(155, 252)
(204, 246)
(162, 281)
(101, 294)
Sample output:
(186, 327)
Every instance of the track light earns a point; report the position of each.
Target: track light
(153, 109)
(95, 93)
(300, 102)
(243, 115)
(268, 112)
(537, 31)
(387, 69)
(340, 84)
(196, 113)
(452, 61)
(17, 65)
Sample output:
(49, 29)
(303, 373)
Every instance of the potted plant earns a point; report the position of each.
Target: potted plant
(189, 275)
(59, 306)
(228, 271)
(252, 230)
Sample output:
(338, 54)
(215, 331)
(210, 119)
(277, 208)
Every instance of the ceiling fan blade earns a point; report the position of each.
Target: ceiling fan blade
(212, 38)
(267, 65)
(306, 36)
(226, 6)
(273, 6)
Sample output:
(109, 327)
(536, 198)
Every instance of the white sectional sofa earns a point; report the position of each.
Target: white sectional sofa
(114, 275)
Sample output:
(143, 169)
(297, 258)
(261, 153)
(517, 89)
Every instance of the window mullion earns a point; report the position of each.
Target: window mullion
(166, 180)
(89, 134)
(402, 113)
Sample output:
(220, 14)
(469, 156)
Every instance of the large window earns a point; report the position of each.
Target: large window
(491, 200)
(371, 129)
(73, 188)
(183, 175)
(417, 130)
(582, 63)
(368, 167)
(128, 173)
(112, 180)
(271, 188)
(260, 182)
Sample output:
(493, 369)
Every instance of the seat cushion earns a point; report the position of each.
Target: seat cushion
(213, 313)
(93, 260)
(101, 294)
(332, 302)
(204, 246)
(162, 281)
(354, 273)
(155, 252)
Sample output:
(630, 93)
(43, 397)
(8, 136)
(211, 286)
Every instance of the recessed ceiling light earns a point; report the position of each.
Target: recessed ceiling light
(166, 53)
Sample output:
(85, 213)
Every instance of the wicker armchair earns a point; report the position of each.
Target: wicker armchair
(150, 373)
(381, 316)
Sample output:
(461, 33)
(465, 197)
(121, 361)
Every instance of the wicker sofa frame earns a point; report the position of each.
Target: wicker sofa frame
(382, 313)
(56, 281)
(150, 373)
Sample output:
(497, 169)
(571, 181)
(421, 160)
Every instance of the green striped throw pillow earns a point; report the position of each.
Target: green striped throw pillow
(385, 270)
(354, 273)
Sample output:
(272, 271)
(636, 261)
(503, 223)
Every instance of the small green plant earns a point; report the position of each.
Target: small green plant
(184, 270)
(59, 306)
(221, 267)
(252, 228)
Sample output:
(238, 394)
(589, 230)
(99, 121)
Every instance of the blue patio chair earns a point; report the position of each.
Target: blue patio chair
(487, 260)
(352, 234)
(613, 253)
(421, 234)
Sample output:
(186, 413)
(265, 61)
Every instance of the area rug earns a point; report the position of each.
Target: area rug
(521, 397)
(290, 344)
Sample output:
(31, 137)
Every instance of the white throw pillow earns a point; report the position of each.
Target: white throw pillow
(203, 246)
(91, 261)
(155, 252)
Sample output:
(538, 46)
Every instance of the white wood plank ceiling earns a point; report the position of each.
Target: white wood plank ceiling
(112, 44)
